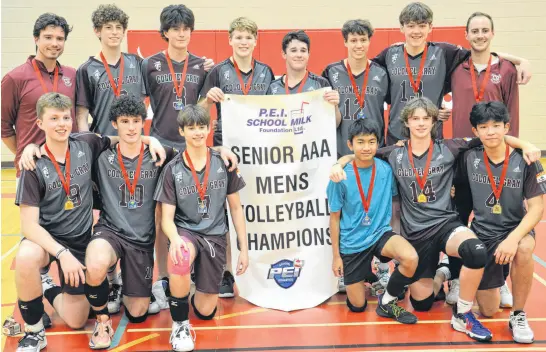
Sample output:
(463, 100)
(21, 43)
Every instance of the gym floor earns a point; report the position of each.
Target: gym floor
(241, 326)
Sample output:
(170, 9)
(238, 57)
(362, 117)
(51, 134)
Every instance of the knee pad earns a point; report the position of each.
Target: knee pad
(424, 305)
(97, 295)
(183, 266)
(473, 253)
(198, 314)
(32, 310)
(133, 319)
(357, 309)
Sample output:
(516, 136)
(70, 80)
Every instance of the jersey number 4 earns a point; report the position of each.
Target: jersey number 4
(126, 196)
(428, 191)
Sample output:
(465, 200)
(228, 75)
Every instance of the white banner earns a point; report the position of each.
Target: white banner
(286, 145)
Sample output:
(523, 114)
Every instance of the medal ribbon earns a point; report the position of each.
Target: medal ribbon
(41, 79)
(479, 95)
(131, 187)
(366, 201)
(421, 181)
(116, 89)
(415, 84)
(497, 190)
(179, 88)
(359, 97)
(302, 83)
(65, 180)
(201, 188)
(244, 87)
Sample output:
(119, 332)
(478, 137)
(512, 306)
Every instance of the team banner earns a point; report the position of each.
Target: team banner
(286, 145)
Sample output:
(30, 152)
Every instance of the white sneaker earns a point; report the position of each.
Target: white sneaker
(158, 291)
(153, 308)
(383, 275)
(114, 299)
(453, 294)
(521, 331)
(507, 301)
(182, 336)
(33, 341)
(341, 285)
(47, 282)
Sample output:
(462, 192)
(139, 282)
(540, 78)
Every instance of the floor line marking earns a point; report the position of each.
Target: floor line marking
(5, 255)
(539, 279)
(309, 325)
(498, 349)
(250, 311)
(133, 343)
(119, 330)
(539, 260)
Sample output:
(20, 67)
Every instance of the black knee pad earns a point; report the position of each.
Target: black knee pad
(97, 295)
(424, 305)
(357, 309)
(133, 319)
(198, 314)
(473, 253)
(32, 310)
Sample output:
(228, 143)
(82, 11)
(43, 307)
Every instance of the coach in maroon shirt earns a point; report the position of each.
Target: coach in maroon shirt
(23, 86)
(482, 77)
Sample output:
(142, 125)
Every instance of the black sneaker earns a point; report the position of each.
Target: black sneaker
(46, 320)
(394, 311)
(226, 288)
(441, 296)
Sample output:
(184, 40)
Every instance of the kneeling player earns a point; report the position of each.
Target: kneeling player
(193, 189)
(500, 181)
(359, 225)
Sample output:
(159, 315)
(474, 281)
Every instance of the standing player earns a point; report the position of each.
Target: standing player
(243, 75)
(501, 180)
(424, 171)
(193, 190)
(359, 224)
(296, 48)
(363, 89)
(23, 86)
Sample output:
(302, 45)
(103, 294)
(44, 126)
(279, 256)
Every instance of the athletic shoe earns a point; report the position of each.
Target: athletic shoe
(33, 341)
(470, 325)
(114, 299)
(182, 336)
(226, 288)
(394, 311)
(377, 289)
(153, 308)
(506, 297)
(47, 282)
(159, 289)
(46, 320)
(521, 331)
(102, 335)
(453, 294)
(403, 294)
(441, 296)
(383, 275)
(341, 285)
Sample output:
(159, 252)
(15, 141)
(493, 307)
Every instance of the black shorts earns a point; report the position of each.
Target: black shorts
(210, 260)
(137, 265)
(429, 250)
(357, 267)
(493, 274)
(66, 287)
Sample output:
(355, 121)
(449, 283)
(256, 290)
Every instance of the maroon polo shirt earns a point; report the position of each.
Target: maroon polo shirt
(21, 90)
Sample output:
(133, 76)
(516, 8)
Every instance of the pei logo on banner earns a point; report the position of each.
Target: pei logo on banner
(285, 272)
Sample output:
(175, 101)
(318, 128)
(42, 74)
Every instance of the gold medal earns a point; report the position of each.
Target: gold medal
(497, 209)
(69, 205)
(421, 198)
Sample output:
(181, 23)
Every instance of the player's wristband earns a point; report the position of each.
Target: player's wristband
(61, 251)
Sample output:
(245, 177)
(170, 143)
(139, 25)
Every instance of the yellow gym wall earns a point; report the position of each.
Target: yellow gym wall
(519, 27)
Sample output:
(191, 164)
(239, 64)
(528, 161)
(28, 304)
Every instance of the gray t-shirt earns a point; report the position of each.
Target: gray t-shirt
(313, 82)
(521, 182)
(441, 60)
(177, 187)
(422, 221)
(95, 92)
(377, 91)
(42, 188)
(137, 225)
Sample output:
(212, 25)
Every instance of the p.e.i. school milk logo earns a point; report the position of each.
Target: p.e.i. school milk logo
(281, 121)
(285, 272)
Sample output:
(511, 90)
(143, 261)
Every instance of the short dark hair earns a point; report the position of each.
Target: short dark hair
(296, 35)
(192, 115)
(415, 12)
(359, 27)
(480, 14)
(365, 126)
(109, 13)
(489, 111)
(175, 16)
(127, 105)
(50, 19)
(425, 104)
